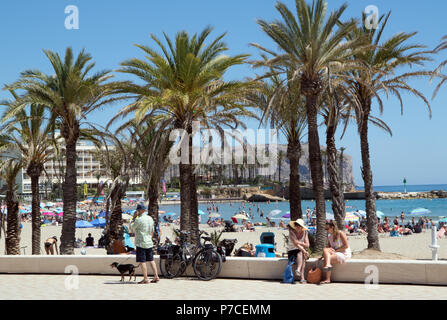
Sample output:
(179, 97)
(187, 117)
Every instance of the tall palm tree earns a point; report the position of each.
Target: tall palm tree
(70, 94)
(384, 58)
(9, 169)
(283, 106)
(184, 84)
(312, 47)
(116, 153)
(31, 134)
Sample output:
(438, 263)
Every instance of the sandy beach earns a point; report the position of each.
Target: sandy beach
(407, 247)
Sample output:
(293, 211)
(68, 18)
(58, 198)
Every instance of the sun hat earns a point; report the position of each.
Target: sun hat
(300, 222)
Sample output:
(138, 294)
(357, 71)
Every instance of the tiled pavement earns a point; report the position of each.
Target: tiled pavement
(65, 287)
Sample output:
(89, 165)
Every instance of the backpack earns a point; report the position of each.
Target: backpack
(288, 276)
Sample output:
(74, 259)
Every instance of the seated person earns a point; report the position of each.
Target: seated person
(417, 228)
(282, 225)
(405, 231)
(90, 241)
(380, 228)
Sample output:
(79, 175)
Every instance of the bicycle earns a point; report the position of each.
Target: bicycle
(205, 258)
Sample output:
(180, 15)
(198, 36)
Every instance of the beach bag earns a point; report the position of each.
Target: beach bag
(288, 276)
(314, 275)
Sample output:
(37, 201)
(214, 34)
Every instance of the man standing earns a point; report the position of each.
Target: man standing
(143, 227)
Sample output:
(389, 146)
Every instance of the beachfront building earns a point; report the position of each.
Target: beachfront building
(88, 168)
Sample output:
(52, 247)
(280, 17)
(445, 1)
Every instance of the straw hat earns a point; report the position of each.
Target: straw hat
(299, 222)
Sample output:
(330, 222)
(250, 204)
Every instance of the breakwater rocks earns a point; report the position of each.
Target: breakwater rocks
(434, 194)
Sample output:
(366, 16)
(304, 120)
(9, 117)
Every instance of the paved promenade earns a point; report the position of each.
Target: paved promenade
(63, 287)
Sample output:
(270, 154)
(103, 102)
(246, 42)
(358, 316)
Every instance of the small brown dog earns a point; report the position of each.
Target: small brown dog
(123, 268)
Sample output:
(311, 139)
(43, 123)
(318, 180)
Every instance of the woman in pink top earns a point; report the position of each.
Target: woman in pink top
(337, 251)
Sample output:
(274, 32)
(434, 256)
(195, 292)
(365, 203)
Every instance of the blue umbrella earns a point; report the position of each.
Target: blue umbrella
(83, 224)
(201, 212)
(102, 214)
(380, 214)
(99, 222)
(170, 214)
(420, 211)
(443, 220)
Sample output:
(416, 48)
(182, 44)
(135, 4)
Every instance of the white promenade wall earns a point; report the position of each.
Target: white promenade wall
(421, 272)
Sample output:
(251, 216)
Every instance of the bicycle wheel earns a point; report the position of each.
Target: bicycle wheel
(172, 267)
(207, 264)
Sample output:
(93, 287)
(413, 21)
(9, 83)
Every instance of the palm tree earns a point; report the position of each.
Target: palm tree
(31, 134)
(116, 154)
(70, 95)
(282, 104)
(384, 58)
(437, 72)
(9, 169)
(313, 47)
(184, 84)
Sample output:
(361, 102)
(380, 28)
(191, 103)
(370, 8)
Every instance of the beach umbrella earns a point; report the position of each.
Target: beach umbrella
(380, 214)
(125, 216)
(443, 220)
(83, 224)
(350, 216)
(201, 212)
(240, 216)
(161, 211)
(170, 214)
(99, 222)
(214, 215)
(420, 211)
(287, 215)
(48, 213)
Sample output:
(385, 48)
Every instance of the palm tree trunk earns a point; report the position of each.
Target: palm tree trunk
(153, 193)
(294, 154)
(338, 201)
(316, 167)
(371, 216)
(12, 242)
(35, 212)
(69, 197)
(116, 217)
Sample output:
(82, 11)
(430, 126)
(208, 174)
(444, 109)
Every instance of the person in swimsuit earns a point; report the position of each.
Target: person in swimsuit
(49, 244)
(337, 251)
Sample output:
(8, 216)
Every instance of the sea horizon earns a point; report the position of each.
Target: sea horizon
(409, 188)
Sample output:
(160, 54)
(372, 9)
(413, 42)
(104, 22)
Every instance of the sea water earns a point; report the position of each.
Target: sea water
(391, 208)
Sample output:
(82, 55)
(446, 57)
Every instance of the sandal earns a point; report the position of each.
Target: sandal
(325, 282)
(143, 282)
(155, 280)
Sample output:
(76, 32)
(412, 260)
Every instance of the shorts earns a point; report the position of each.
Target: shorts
(144, 255)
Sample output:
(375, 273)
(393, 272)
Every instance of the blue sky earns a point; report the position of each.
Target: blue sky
(108, 30)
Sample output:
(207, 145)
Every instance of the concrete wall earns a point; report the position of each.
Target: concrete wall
(389, 271)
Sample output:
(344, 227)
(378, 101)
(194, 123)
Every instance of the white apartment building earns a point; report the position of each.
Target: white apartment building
(87, 170)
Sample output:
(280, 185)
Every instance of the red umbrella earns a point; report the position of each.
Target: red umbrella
(48, 213)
